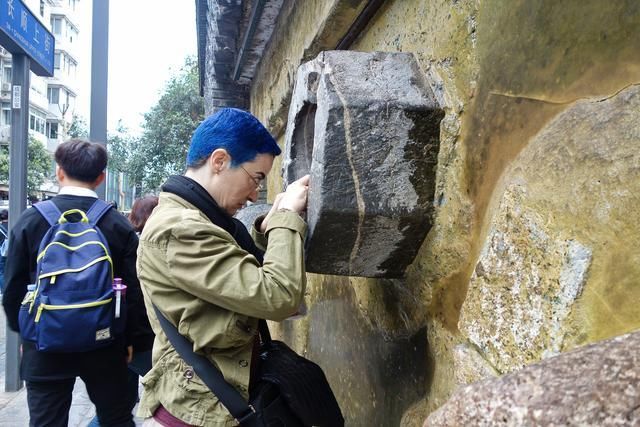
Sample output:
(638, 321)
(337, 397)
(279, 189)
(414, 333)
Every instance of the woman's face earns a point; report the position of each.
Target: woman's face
(238, 185)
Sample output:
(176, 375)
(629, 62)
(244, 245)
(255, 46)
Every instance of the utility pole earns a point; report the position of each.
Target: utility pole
(17, 190)
(32, 47)
(99, 77)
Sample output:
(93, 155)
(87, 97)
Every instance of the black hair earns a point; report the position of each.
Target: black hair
(81, 160)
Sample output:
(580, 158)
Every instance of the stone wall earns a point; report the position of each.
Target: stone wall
(535, 244)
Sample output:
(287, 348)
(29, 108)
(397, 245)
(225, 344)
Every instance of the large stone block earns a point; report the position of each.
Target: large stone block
(594, 385)
(366, 127)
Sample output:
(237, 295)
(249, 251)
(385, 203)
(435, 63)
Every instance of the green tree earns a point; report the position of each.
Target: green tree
(39, 166)
(78, 127)
(122, 146)
(167, 129)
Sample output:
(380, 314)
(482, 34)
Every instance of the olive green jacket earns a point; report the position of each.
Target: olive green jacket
(214, 292)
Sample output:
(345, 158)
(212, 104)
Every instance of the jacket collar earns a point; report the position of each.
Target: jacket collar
(189, 190)
(77, 191)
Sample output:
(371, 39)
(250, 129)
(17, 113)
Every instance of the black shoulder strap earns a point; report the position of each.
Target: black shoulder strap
(212, 377)
(265, 335)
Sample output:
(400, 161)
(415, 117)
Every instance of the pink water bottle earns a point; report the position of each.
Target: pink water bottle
(120, 289)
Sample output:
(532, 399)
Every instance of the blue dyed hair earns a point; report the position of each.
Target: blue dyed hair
(237, 131)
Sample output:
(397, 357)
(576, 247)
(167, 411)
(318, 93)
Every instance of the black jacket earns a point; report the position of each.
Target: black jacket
(20, 271)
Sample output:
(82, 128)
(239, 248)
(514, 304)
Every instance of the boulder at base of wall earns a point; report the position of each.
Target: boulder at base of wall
(594, 385)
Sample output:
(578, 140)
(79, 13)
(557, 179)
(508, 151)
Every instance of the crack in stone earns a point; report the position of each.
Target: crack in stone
(550, 101)
(356, 180)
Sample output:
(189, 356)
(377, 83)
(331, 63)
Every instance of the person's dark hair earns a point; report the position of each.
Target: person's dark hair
(237, 131)
(141, 210)
(81, 160)
(4, 215)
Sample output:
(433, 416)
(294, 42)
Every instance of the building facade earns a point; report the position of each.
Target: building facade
(52, 100)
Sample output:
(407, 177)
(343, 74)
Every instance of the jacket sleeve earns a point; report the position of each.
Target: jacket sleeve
(205, 261)
(16, 273)
(259, 238)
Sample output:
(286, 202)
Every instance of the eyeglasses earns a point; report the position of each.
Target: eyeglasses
(257, 181)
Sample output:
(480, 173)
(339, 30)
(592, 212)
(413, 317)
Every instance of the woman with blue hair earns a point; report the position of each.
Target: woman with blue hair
(208, 276)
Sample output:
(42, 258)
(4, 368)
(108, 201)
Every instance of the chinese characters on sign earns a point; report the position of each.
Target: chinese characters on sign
(22, 33)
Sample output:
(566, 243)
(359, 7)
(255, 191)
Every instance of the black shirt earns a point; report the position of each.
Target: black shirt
(20, 271)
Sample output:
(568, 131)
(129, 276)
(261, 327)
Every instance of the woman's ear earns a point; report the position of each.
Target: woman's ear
(219, 159)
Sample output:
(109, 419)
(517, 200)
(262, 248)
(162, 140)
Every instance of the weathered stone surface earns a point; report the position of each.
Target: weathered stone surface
(523, 288)
(366, 127)
(594, 385)
(378, 376)
(304, 30)
(543, 278)
(469, 365)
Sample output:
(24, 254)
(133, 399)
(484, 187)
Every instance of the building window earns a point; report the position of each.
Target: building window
(56, 60)
(6, 73)
(37, 122)
(56, 25)
(71, 32)
(53, 94)
(41, 7)
(69, 65)
(6, 114)
(53, 130)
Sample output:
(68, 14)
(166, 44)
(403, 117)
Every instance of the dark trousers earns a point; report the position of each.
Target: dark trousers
(49, 401)
(139, 366)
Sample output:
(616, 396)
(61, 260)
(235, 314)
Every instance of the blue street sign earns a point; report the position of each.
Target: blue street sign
(22, 33)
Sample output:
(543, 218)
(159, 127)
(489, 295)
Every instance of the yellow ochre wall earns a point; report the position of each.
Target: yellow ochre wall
(535, 247)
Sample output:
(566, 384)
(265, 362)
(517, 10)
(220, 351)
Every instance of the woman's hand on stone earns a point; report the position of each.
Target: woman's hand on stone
(295, 196)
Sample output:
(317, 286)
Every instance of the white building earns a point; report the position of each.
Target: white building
(52, 100)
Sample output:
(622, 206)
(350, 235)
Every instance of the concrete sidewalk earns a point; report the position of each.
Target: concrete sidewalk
(13, 405)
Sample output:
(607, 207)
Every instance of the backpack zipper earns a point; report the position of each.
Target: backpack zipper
(53, 274)
(43, 306)
(71, 248)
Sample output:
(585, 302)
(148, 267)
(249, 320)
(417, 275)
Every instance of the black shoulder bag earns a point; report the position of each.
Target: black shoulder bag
(290, 390)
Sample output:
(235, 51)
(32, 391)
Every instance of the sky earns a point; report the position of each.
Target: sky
(148, 42)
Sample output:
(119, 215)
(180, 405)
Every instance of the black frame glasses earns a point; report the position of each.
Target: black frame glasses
(257, 181)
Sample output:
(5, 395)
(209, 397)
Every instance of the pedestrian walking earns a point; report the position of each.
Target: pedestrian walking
(50, 374)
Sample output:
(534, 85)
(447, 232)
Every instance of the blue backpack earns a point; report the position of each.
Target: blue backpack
(71, 307)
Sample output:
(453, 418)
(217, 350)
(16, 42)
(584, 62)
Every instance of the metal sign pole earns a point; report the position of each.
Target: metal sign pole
(99, 77)
(17, 190)
(32, 46)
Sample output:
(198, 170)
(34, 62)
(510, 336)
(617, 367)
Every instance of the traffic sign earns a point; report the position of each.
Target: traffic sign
(22, 33)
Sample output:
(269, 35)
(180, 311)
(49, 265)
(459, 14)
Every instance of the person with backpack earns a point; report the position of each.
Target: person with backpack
(64, 295)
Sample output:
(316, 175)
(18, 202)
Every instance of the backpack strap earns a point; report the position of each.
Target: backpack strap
(97, 211)
(49, 211)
